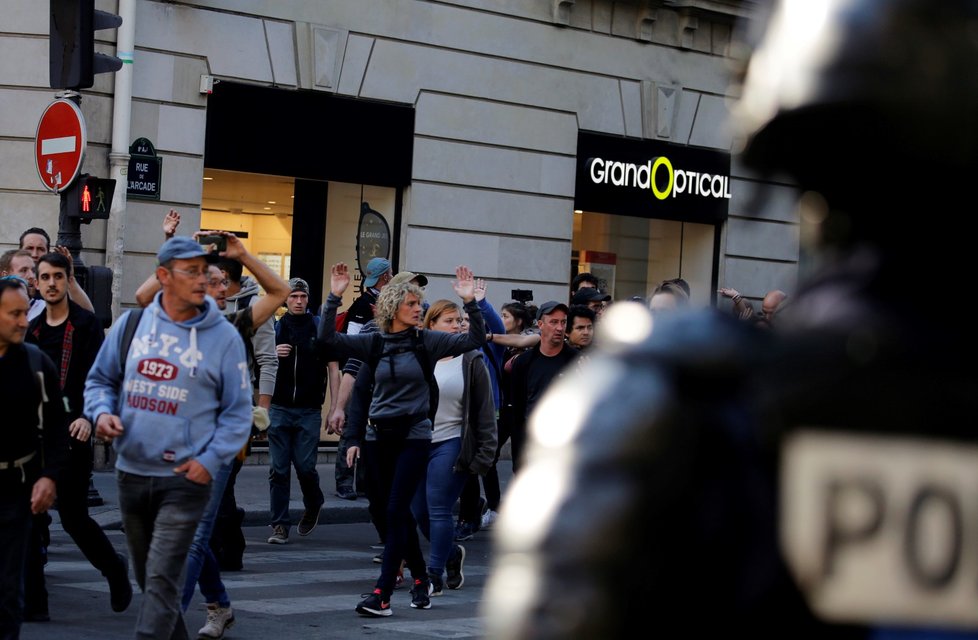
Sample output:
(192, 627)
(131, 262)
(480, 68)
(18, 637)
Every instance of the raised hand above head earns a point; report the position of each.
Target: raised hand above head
(63, 250)
(236, 248)
(170, 223)
(480, 290)
(464, 284)
(339, 278)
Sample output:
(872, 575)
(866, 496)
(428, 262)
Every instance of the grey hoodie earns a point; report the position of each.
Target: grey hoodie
(263, 342)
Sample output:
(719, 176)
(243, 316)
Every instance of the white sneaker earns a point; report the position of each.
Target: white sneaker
(488, 518)
(219, 620)
(280, 535)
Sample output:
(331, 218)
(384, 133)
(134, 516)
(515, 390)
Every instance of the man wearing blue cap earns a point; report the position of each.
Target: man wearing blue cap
(376, 276)
(177, 405)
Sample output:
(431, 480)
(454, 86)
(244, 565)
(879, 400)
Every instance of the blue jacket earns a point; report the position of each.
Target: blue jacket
(185, 391)
(493, 354)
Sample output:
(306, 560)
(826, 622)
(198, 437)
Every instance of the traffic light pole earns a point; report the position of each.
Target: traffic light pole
(73, 65)
(69, 229)
(69, 236)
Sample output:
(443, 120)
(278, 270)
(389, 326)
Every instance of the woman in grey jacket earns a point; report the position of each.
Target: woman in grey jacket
(399, 429)
(463, 444)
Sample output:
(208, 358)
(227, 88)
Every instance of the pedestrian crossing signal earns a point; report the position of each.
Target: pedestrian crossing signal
(90, 198)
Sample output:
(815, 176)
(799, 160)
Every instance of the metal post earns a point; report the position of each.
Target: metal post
(94, 499)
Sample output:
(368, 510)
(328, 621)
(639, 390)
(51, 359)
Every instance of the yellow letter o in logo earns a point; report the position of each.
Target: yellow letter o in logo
(661, 195)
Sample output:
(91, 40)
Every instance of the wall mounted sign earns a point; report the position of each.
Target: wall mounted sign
(145, 171)
(651, 179)
(373, 236)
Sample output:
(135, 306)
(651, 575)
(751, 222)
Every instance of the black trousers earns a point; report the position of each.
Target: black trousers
(468, 508)
(72, 508)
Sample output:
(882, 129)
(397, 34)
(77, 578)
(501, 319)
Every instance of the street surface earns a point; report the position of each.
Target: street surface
(306, 588)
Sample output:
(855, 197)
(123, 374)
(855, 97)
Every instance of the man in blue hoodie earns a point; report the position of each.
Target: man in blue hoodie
(177, 405)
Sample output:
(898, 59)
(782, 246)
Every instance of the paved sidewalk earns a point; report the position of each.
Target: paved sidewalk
(251, 492)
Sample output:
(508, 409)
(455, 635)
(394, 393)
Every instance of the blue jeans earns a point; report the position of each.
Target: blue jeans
(201, 564)
(435, 498)
(293, 438)
(398, 465)
(15, 528)
(160, 515)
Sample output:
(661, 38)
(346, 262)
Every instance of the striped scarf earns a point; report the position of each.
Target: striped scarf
(65, 350)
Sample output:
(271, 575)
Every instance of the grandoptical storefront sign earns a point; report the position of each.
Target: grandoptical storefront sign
(651, 179)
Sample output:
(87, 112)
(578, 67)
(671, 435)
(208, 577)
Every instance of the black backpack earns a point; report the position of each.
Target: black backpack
(132, 321)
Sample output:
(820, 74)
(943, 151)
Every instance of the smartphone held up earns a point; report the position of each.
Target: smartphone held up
(214, 243)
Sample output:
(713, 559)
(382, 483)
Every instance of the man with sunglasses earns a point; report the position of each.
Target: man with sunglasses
(177, 405)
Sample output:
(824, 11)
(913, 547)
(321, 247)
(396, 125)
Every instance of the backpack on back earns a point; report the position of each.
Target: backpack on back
(128, 331)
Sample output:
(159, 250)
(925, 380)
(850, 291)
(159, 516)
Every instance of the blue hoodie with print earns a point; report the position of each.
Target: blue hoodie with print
(185, 392)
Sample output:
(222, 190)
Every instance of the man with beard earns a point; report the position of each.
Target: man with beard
(71, 336)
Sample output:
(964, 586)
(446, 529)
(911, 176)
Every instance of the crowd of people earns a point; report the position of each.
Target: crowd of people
(424, 395)
(802, 471)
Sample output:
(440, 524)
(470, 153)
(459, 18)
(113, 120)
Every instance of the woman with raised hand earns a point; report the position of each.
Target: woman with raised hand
(398, 434)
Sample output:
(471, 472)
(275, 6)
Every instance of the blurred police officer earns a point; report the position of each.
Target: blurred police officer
(814, 481)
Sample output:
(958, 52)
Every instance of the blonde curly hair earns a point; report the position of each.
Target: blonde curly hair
(390, 299)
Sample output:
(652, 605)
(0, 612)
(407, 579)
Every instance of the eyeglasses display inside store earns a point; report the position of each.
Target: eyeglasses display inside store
(631, 255)
(255, 206)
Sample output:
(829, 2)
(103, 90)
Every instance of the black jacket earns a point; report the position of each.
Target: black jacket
(78, 352)
(301, 379)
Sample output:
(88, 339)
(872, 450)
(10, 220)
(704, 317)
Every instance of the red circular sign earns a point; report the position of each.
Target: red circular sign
(59, 145)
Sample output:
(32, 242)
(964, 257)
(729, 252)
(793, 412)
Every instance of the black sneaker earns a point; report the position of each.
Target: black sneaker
(120, 589)
(309, 521)
(437, 585)
(464, 531)
(419, 594)
(453, 568)
(375, 604)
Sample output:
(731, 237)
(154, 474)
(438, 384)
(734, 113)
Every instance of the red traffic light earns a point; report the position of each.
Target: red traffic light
(86, 199)
(89, 198)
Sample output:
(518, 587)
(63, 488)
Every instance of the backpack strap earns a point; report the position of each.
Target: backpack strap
(428, 367)
(36, 363)
(376, 352)
(128, 332)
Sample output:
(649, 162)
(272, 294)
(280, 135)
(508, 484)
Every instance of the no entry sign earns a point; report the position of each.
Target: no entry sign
(59, 145)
